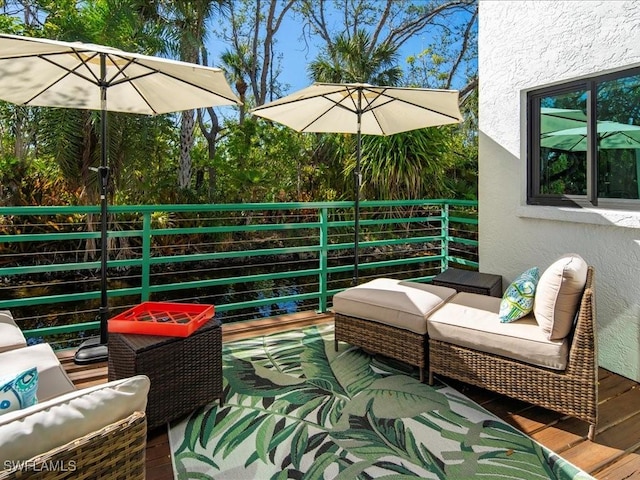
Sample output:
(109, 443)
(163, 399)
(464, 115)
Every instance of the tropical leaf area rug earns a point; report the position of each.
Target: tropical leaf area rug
(297, 409)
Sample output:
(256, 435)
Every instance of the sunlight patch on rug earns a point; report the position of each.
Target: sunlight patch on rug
(297, 409)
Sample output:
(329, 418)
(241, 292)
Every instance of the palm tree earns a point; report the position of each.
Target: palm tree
(357, 59)
(187, 34)
(406, 165)
(234, 63)
(353, 59)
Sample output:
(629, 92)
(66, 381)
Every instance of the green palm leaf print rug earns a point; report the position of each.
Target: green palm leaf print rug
(297, 409)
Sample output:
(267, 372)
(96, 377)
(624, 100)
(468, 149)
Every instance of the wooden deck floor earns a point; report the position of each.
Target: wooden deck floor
(615, 454)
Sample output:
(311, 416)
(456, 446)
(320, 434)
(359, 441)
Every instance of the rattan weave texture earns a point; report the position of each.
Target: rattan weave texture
(398, 343)
(185, 372)
(573, 391)
(116, 452)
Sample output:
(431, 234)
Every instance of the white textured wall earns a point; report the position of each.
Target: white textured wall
(524, 45)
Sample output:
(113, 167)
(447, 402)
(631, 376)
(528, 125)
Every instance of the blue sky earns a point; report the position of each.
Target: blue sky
(297, 53)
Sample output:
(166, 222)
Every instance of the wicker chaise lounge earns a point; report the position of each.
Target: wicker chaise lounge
(547, 358)
(572, 391)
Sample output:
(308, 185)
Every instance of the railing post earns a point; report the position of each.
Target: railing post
(444, 263)
(146, 256)
(323, 258)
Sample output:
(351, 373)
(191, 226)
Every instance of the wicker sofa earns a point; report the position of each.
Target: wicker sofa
(460, 337)
(572, 390)
(96, 432)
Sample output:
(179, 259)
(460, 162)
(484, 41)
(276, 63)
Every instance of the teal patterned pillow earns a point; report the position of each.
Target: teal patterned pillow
(517, 300)
(18, 391)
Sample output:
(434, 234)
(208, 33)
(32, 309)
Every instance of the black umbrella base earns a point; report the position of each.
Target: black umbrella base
(91, 351)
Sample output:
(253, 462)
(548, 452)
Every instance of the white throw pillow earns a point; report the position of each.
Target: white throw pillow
(558, 295)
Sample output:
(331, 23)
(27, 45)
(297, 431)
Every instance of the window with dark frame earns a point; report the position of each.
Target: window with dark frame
(584, 143)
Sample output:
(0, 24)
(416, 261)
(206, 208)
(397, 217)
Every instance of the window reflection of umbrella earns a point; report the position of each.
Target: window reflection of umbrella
(554, 119)
(362, 109)
(610, 136)
(40, 72)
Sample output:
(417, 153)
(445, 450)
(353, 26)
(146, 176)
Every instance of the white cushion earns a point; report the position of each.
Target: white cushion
(471, 320)
(11, 336)
(47, 425)
(393, 302)
(558, 295)
(52, 379)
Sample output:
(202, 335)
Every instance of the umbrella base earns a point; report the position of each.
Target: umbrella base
(91, 351)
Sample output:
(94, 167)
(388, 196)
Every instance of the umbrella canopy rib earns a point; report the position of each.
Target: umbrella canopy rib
(120, 76)
(41, 72)
(333, 104)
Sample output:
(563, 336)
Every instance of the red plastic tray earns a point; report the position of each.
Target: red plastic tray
(162, 318)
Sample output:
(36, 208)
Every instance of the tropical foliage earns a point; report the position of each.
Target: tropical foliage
(296, 408)
(48, 156)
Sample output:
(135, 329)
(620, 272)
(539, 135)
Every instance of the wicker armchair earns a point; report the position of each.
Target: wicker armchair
(573, 391)
(92, 433)
(117, 452)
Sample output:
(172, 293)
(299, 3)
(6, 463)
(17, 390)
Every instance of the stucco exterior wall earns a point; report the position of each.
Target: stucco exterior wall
(526, 45)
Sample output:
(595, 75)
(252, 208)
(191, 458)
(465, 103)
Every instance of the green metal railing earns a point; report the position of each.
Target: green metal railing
(49, 256)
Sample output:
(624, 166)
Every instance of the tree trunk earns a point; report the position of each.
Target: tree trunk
(186, 143)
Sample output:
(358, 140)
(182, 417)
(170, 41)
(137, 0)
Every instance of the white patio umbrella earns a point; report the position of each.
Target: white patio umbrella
(610, 136)
(41, 72)
(360, 108)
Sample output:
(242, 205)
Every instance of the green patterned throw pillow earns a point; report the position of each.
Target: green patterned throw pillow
(18, 391)
(517, 300)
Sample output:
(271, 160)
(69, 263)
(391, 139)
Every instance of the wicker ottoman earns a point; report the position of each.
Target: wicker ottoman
(389, 317)
(185, 372)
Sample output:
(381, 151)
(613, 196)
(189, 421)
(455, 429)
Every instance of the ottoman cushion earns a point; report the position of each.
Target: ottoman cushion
(393, 302)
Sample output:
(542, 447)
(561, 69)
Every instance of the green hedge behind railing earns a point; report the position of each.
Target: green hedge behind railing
(49, 256)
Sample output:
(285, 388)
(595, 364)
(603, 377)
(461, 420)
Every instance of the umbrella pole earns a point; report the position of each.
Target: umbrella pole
(358, 181)
(104, 182)
(95, 349)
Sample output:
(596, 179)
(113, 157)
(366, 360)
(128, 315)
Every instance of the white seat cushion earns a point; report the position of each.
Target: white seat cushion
(52, 379)
(11, 336)
(471, 320)
(393, 302)
(36, 430)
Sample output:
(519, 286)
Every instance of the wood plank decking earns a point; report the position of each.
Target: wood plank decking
(615, 454)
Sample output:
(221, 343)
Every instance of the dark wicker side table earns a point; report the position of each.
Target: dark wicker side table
(185, 372)
(470, 281)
